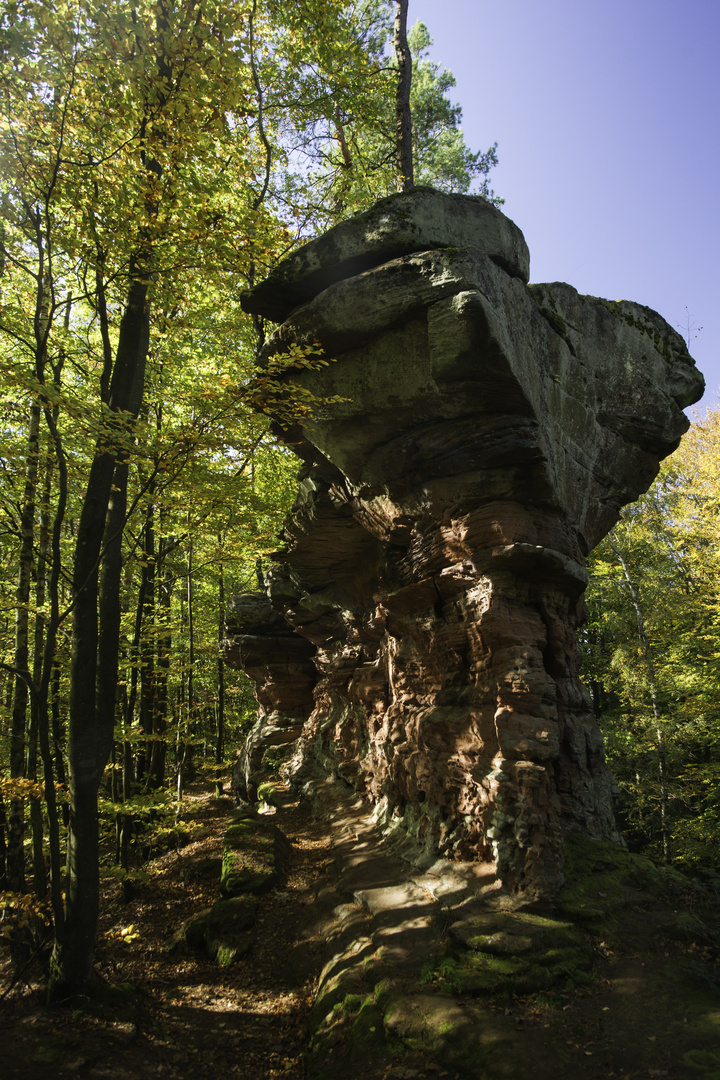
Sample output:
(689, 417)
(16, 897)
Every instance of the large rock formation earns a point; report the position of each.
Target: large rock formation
(482, 438)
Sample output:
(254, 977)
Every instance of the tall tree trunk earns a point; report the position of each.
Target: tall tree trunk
(16, 810)
(162, 674)
(43, 554)
(124, 820)
(220, 736)
(23, 682)
(49, 676)
(95, 644)
(3, 845)
(46, 626)
(185, 748)
(147, 640)
(403, 116)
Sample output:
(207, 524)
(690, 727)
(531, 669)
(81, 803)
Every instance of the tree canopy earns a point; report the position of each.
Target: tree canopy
(652, 655)
(155, 160)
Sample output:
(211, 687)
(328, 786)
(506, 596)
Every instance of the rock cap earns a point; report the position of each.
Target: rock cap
(418, 220)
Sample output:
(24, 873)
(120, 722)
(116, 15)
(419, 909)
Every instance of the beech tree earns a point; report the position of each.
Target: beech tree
(149, 171)
(652, 656)
(136, 159)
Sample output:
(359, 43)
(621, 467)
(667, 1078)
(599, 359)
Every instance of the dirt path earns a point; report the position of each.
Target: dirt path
(357, 957)
(194, 1018)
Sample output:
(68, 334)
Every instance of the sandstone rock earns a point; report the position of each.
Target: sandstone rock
(255, 856)
(226, 929)
(483, 438)
(399, 225)
(266, 646)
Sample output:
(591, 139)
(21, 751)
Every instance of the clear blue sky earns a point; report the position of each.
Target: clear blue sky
(607, 119)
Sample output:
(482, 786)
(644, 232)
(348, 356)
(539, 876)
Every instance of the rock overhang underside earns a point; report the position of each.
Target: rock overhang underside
(481, 437)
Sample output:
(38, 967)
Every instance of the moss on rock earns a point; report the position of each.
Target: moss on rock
(494, 952)
(603, 878)
(255, 856)
(226, 929)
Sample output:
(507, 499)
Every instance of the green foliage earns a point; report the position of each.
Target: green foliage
(658, 703)
(349, 160)
(443, 159)
(155, 160)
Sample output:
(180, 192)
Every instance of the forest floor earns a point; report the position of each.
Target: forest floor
(649, 1008)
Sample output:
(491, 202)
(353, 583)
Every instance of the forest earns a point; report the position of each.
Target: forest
(155, 161)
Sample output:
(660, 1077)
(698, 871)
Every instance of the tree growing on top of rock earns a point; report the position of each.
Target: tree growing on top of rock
(358, 161)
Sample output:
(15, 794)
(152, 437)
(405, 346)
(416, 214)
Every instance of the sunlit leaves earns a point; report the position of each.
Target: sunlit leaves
(670, 540)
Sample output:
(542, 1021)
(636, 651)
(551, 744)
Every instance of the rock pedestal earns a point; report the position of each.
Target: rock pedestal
(482, 436)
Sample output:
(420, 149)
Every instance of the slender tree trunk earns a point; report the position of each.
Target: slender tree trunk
(23, 682)
(162, 674)
(124, 821)
(220, 739)
(16, 814)
(95, 644)
(147, 641)
(46, 626)
(403, 116)
(43, 555)
(49, 674)
(654, 699)
(185, 754)
(3, 846)
(58, 735)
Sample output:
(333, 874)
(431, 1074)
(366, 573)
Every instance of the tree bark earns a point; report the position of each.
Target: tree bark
(16, 809)
(403, 117)
(95, 638)
(220, 741)
(147, 641)
(184, 746)
(162, 672)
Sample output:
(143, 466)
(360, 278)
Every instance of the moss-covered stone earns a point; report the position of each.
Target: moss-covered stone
(511, 951)
(255, 855)
(226, 930)
(351, 1028)
(602, 879)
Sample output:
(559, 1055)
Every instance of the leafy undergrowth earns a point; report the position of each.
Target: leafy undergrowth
(190, 1017)
(635, 991)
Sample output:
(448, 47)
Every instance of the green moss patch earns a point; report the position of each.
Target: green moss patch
(603, 878)
(226, 930)
(351, 1031)
(519, 952)
(255, 856)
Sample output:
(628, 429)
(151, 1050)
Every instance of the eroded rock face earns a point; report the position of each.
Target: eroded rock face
(264, 644)
(487, 435)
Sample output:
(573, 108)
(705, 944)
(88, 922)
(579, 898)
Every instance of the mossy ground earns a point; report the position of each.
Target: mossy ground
(617, 978)
(643, 940)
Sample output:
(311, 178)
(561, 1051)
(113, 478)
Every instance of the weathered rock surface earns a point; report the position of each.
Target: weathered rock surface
(394, 226)
(484, 436)
(255, 856)
(264, 644)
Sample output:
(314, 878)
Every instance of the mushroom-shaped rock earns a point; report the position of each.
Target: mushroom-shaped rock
(481, 438)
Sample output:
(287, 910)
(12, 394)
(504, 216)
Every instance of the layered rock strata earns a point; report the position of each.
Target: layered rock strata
(482, 437)
(261, 642)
